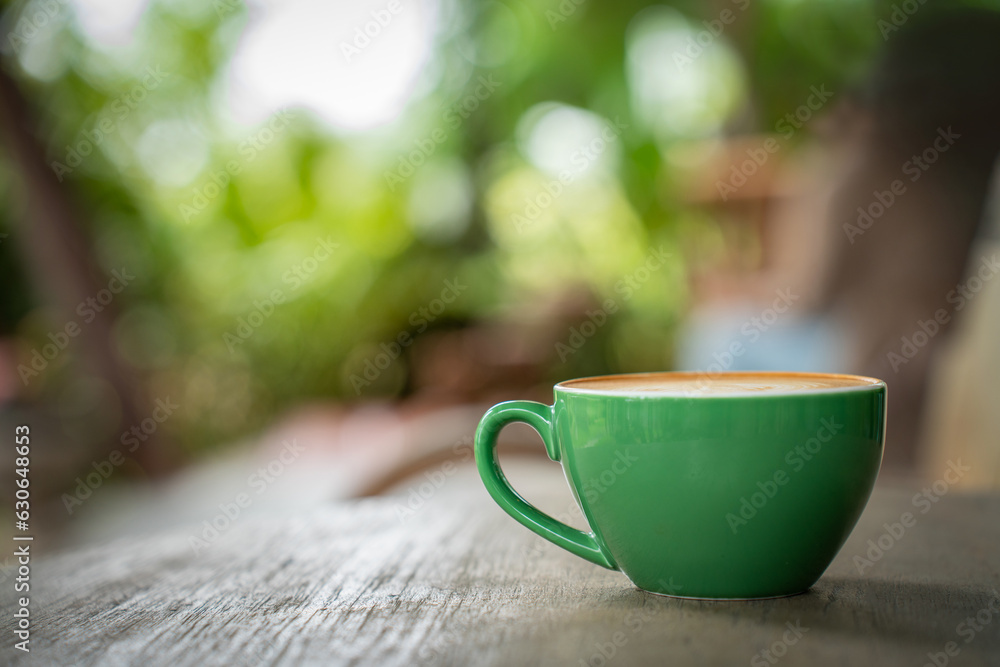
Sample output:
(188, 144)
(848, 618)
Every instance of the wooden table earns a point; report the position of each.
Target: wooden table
(459, 582)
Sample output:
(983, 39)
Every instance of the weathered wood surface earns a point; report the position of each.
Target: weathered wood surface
(461, 583)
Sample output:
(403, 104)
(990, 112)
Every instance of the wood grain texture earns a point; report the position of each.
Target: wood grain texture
(460, 583)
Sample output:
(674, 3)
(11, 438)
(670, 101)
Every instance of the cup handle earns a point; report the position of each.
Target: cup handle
(539, 417)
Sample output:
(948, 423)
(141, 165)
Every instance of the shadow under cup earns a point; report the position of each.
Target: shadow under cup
(707, 494)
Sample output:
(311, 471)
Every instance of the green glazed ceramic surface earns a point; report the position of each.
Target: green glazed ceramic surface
(742, 495)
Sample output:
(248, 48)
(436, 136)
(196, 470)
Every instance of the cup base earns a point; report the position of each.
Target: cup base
(724, 599)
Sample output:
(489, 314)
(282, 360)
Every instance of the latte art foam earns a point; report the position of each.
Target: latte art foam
(717, 384)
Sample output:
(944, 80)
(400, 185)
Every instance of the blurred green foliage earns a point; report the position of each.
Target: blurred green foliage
(211, 248)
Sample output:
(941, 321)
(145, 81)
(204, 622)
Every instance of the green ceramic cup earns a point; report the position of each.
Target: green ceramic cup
(734, 486)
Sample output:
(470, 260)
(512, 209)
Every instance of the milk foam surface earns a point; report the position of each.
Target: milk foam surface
(721, 383)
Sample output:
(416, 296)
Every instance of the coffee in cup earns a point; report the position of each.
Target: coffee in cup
(721, 486)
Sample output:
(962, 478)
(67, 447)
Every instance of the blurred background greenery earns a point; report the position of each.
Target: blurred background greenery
(289, 195)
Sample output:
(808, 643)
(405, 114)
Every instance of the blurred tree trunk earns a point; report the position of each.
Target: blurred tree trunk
(58, 259)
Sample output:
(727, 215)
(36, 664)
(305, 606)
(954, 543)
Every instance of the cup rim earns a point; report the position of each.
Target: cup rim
(864, 383)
